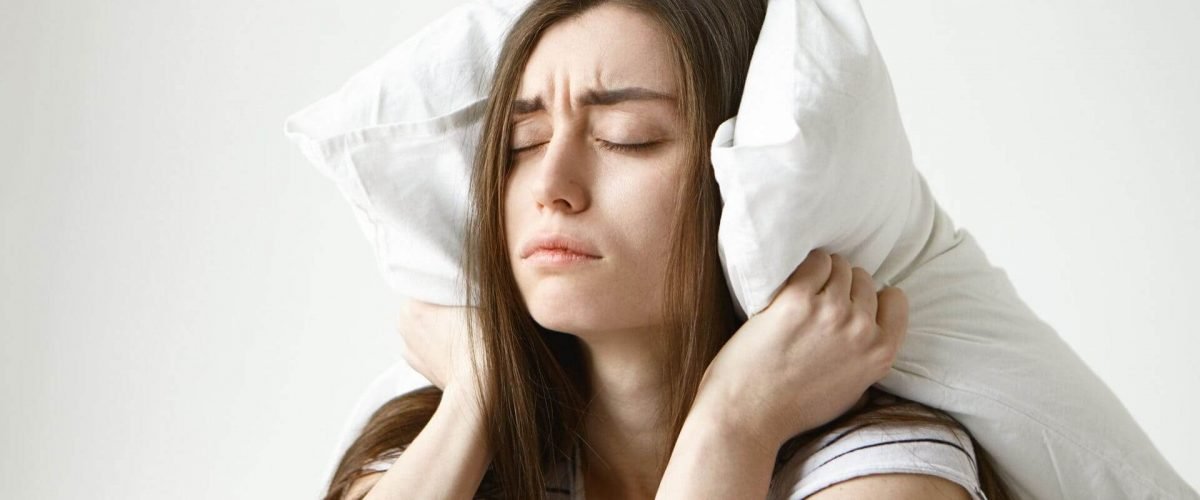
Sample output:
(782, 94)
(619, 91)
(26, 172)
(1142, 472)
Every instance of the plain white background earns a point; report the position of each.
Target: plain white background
(188, 309)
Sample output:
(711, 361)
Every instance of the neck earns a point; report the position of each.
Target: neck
(625, 429)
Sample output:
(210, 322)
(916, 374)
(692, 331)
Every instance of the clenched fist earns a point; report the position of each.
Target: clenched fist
(809, 356)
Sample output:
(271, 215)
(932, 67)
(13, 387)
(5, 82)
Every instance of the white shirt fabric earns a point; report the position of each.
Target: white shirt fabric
(858, 450)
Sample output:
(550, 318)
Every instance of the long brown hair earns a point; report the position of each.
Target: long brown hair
(537, 375)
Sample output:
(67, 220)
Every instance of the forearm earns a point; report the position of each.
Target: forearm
(446, 460)
(712, 459)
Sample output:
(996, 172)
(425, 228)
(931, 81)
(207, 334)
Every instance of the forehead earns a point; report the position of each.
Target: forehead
(608, 46)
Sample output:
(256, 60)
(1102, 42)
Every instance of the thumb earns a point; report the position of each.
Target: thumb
(892, 315)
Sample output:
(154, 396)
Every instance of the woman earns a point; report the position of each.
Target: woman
(603, 355)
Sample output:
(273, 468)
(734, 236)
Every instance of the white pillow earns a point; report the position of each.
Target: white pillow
(398, 140)
(833, 171)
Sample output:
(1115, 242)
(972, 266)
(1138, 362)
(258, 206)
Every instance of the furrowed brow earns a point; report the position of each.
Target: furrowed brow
(595, 97)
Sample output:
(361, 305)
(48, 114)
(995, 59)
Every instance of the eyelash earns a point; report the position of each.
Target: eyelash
(611, 146)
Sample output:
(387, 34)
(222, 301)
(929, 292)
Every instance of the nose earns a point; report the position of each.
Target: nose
(562, 176)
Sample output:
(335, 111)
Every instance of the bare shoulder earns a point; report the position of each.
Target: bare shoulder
(894, 487)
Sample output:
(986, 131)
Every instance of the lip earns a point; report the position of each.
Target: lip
(558, 247)
(558, 258)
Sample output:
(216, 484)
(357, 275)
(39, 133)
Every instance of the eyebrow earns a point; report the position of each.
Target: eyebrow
(594, 97)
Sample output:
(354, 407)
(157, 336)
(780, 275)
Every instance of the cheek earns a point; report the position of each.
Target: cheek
(646, 209)
(656, 193)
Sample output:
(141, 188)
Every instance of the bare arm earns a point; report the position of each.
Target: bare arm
(446, 460)
(715, 460)
(799, 363)
(894, 486)
(449, 457)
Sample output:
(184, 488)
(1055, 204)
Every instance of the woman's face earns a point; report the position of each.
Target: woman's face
(595, 82)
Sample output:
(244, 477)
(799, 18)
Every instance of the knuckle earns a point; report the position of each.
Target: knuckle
(842, 308)
(862, 339)
(861, 321)
(786, 301)
(828, 314)
(793, 308)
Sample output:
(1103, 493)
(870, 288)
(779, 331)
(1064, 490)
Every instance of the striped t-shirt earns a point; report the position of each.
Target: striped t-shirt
(842, 453)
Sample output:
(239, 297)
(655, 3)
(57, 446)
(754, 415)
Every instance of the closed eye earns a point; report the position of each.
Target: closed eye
(517, 151)
(611, 146)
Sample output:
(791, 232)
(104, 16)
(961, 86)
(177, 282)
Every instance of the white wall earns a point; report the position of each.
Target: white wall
(188, 310)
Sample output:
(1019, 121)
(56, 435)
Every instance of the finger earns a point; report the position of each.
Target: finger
(893, 315)
(839, 277)
(811, 274)
(862, 291)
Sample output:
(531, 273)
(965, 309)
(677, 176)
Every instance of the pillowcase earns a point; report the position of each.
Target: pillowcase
(831, 170)
(398, 138)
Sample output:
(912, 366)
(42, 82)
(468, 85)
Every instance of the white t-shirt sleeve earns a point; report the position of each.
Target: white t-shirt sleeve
(863, 449)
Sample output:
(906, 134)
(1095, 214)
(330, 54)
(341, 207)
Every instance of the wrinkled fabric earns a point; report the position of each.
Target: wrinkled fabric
(398, 139)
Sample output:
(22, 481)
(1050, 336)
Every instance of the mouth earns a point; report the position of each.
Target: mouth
(558, 257)
(558, 246)
(560, 252)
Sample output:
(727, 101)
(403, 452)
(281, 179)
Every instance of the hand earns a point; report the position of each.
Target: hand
(809, 356)
(435, 342)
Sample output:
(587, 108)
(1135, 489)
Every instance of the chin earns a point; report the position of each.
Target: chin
(568, 311)
(564, 316)
(582, 307)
